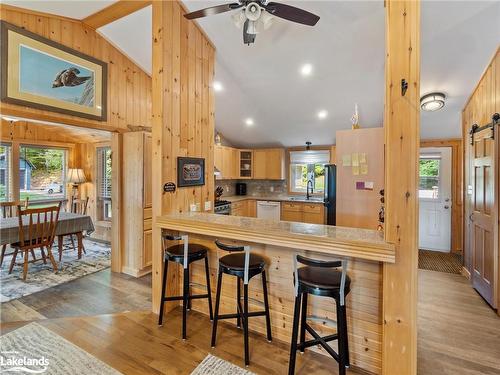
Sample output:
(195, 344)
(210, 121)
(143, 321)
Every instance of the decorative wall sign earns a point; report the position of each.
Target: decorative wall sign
(190, 171)
(40, 73)
(169, 187)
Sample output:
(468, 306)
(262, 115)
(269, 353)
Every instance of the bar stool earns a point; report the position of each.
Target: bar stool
(184, 254)
(319, 279)
(244, 266)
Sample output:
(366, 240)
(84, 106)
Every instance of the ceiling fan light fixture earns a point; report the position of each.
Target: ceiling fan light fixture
(253, 11)
(239, 19)
(432, 102)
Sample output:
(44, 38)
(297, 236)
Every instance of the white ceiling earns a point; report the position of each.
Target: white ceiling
(77, 9)
(346, 48)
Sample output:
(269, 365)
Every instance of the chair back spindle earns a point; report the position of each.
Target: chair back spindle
(10, 209)
(41, 223)
(79, 206)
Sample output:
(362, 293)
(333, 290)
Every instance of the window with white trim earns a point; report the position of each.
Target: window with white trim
(5, 171)
(104, 182)
(308, 165)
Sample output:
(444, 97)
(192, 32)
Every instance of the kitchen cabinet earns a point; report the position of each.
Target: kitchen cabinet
(269, 164)
(260, 164)
(245, 164)
(313, 213)
(226, 160)
(239, 208)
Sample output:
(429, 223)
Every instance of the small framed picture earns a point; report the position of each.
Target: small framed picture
(190, 171)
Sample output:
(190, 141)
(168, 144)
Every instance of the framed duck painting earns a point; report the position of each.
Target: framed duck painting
(40, 73)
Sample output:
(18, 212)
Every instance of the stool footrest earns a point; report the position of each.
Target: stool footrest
(180, 298)
(321, 341)
(250, 314)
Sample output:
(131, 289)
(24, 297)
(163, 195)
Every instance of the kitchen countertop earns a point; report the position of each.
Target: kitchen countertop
(341, 241)
(280, 198)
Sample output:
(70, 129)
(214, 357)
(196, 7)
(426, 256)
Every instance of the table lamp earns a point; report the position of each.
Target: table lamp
(76, 176)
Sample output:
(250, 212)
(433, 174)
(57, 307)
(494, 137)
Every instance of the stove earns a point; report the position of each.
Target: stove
(222, 207)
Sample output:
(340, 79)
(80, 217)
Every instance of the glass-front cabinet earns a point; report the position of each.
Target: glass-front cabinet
(246, 160)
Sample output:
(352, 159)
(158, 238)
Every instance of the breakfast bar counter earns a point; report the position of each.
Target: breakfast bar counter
(278, 243)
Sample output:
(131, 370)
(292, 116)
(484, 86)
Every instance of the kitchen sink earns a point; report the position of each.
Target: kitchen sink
(304, 199)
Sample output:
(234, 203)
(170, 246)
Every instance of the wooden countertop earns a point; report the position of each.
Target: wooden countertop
(341, 241)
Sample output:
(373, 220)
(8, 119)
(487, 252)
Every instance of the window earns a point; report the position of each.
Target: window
(5, 155)
(308, 166)
(104, 182)
(429, 167)
(42, 173)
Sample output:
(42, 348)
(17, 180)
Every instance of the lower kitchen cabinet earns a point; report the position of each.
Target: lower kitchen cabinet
(247, 207)
(313, 213)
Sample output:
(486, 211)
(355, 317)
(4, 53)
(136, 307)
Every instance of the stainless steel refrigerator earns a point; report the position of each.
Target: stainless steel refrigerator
(330, 194)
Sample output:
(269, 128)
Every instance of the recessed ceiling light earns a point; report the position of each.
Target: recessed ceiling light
(306, 69)
(218, 86)
(249, 122)
(322, 114)
(432, 102)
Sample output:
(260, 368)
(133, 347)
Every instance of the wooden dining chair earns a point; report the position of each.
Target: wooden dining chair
(40, 234)
(8, 210)
(78, 206)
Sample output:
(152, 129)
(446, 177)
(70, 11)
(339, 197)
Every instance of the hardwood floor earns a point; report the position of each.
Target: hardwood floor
(133, 343)
(103, 292)
(458, 333)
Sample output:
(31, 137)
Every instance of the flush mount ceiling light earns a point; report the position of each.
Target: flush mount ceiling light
(432, 102)
(10, 119)
(322, 114)
(306, 69)
(249, 122)
(218, 86)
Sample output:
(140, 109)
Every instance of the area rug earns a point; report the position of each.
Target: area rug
(213, 365)
(41, 276)
(35, 349)
(439, 261)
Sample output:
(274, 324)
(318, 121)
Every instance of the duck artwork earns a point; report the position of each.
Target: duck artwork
(69, 77)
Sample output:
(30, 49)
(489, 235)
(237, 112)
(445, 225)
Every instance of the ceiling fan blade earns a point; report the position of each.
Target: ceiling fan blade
(291, 13)
(212, 10)
(247, 38)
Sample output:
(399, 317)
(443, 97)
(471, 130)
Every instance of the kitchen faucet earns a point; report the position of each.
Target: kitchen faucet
(309, 182)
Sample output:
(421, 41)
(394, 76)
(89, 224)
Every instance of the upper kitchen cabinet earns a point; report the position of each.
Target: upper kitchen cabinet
(269, 164)
(245, 164)
(226, 160)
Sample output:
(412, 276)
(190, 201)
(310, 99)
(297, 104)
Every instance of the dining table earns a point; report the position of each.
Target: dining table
(68, 223)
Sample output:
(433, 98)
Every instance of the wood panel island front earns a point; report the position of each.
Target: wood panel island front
(278, 243)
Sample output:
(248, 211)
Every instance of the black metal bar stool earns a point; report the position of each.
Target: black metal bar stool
(319, 279)
(244, 266)
(184, 254)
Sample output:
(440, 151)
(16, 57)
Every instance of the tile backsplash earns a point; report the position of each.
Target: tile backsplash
(254, 187)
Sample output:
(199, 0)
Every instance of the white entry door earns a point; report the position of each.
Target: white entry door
(435, 199)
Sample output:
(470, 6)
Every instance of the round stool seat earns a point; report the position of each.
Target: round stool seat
(175, 253)
(237, 261)
(315, 278)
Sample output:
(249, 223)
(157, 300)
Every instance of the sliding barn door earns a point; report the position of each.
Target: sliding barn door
(483, 217)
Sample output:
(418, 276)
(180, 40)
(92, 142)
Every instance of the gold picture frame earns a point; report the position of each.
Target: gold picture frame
(40, 73)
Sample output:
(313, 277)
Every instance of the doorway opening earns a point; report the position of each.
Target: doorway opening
(435, 211)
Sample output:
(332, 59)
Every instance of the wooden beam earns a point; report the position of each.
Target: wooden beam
(114, 12)
(402, 134)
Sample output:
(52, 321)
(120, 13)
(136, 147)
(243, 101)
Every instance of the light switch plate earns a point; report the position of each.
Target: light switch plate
(208, 205)
(192, 207)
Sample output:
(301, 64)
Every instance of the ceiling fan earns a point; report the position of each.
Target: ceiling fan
(257, 15)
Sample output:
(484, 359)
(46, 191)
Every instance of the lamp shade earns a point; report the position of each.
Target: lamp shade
(76, 176)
